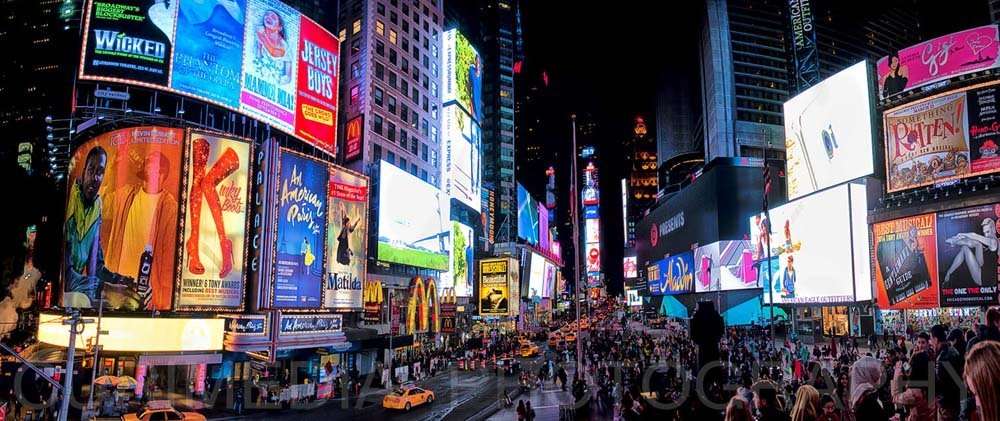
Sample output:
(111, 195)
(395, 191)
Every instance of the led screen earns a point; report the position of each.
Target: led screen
(724, 266)
(814, 256)
(592, 230)
(463, 152)
(459, 276)
(527, 216)
(463, 74)
(495, 286)
(259, 57)
(673, 275)
(634, 299)
(967, 256)
(543, 227)
(536, 277)
(413, 221)
(629, 267)
(828, 132)
(593, 257)
(943, 138)
(939, 59)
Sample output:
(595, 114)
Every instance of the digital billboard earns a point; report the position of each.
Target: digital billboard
(673, 275)
(592, 230)
(905, 262)
(706, 268)
(551, 279)
(494, 287)
(939, 59)
(828, 132)
(725, 266)
(354, 142)
(462, 157)
(942, 138)
(527, 216)
(301, 232)
(120, 228)
(459, 276)
(629, 267)
(259, 57)
(215, 224)
(816, 255)
(967, 256)
(633, 297)
(463, 74)
(593, 257)
(208, 55)
(346, 240)
(414, 220)
(536, 277)
(543, 227)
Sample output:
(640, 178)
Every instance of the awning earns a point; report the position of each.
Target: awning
(190, 359)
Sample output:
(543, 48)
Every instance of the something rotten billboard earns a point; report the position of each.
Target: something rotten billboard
(215, 223)
(905, 263)
(939, 59)
(120, 231)
(943, 138)
(259, 57)
(967, 256)
(347, 243)
(301, 232)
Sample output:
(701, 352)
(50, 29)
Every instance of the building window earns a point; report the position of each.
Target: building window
(392, 56)
(378, 96)
(434, 111)
(434, 50)
(405, 26)
(380, 8)
(413, 169)
(434, 158)
(402, 163)
(423, 174)
(356, 27)
(427, 62)
(392, 37)
(355, 70)
(376, 152)
(433, 180)
(416, 33)
(416, 74)
(425, 82)
(355, 46)
(413, 120)
(405, 43)
(414, 146)
(434, 69)
(380, 48)
(434, 135)
(402, 134)
(390, 157)
(406, 9)
(416, 97)
(426, 105)
(379, 28)
(426, 27)
(424, 127)
(379, 71)
(392, 104)
(434, 89)
(403, 141)
(423, 151)
(394, 3)
(404, 86)
(415, 53)
(343, 35)
(394, 18)
(404, 113)
(392, 78)
(390, 133)
(404, 64)
(377, 124)
(355, 92)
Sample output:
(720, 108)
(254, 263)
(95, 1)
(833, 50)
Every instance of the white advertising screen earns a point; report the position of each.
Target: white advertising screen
(463, 149)
(536, 277)
(633, 297)
(593, 230)
(828, 132)
(629, 267)
(819, 249)
(459, 275)
(551, 273)
(413, 220)
(724, 266)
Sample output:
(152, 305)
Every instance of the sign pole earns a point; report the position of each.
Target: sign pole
(574, 215)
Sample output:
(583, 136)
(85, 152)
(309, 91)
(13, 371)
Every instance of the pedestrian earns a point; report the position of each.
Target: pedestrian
(828, 409)
(529, 414)
(947, 369)
(910, 389)
(766, 401)
(866, 377)
(806, 404)
(521, 412)
(982, 368)
(738, 410)
(238, 398)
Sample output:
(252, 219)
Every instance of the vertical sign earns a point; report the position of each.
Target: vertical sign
(316, 109)
(803, 43)
(354, 134)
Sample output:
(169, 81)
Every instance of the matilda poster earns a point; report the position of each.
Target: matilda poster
(967, 256)
(906, 263)
(347, 237)
(129, 40)
(301, 232)
(209, 52)
(215, 222)
(269, 63)
(121, 220)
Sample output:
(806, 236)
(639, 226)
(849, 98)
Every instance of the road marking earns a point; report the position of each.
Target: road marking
(546, 406)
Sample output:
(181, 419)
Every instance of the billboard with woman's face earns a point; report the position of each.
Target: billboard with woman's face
(967, 256)
(347, 240)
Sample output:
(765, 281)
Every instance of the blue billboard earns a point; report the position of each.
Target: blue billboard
(208, 51)
(301, 232)
(673, 275)
(527, 216)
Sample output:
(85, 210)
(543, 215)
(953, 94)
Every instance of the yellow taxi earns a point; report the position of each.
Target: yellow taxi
(554, 338)
(162, 410)
(571, 337)
(406, 397)
(529, 350)
(584, 324)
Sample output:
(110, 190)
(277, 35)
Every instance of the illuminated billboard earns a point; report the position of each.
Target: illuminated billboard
(462, 157)
(354, 132)
(347, 240)
(459, 277)
(120, 228)
(462, 75)
(633, 297)
(629, 267)
(593, 257)
(943, 138)
(725, 266)
(673, 275)
(967, 255)
(828, 132)
(212, 259)
(259, 57)
(300, 237)
(527, 216)
(551, 279)
(543, 227)
(819, 248)
(536, 277)
(905, 261)
(495, 277)
(134, 334)
(592, 230)
(939, 59)
(413, 221)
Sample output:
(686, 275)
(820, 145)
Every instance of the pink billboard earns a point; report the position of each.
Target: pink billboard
(939, 59)
(543, 227)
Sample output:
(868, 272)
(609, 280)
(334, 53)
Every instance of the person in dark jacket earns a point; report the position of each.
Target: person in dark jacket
(766, 401)
(866, 377)
(989, 332)
(947, 374)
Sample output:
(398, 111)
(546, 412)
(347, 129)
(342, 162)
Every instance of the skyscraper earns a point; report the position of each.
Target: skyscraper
(390, 91)
(641, 177)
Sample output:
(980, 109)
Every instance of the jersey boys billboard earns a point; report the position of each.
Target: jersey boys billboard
(259, 57)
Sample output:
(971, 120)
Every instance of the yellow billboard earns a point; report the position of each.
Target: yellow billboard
(494, 287)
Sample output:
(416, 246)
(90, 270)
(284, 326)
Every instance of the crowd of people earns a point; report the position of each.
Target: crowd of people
(944, 373)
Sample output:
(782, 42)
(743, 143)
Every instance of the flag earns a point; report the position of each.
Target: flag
(767, 184)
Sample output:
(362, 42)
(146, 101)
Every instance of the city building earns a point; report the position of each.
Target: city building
(641, 177)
